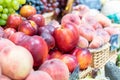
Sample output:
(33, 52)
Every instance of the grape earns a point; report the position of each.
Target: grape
(15, 4)
(1, 8)
(22, 1)
(38, 4)
(8, 7)
(1, 1)
(4, 16)
(5, 10)
(2, 22)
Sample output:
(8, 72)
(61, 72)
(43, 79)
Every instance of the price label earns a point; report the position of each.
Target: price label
(115, 42)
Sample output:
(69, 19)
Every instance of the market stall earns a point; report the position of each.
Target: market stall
(59, 40)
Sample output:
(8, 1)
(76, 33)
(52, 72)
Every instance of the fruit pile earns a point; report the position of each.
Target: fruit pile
(8, 7)
(35, 50)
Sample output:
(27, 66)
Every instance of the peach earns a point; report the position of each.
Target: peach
(3, 77)
(16, 62)
(87, 32)
(103, 20)
(71, 18)
(0, 71)
(5, 42)
(38, 75)
(57, 69)
(96, 42)
(82, 43)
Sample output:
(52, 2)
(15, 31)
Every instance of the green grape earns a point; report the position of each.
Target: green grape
(5, 10)
(2, 22)
(8, 3)
(1, 8)
(15, 4)
(11, 10)
(22, 1)
(1, 1)
(4, 16)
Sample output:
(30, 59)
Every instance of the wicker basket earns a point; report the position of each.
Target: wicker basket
(48, 17)
(84, 73)
(100, 56)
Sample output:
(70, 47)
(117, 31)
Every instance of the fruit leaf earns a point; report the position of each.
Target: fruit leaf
(75, 74)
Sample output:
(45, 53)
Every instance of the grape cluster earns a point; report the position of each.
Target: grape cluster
(51, 5)
(38, 4)
(8, 7)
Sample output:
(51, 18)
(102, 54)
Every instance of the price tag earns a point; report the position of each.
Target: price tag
(115, 42)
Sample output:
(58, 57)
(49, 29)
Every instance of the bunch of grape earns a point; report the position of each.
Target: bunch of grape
(38, 4)
(8, 7)
(51, 5)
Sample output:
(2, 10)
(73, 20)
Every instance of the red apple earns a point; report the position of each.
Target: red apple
(38, 48)
(27, 10)
(8, 32)
(66, 37)
(38, 19)
(70, 61)
(84, 57)
(35, 44)
(55, 53)
(29, 27)
(18, 37)
(13, 21)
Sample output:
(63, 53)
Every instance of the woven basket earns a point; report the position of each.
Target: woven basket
(84, 73)
(100, 56)
(48, 17)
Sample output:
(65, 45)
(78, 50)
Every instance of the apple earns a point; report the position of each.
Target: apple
(55, 53)
(83, 56)
(38, 48)
(27, 10)
(66, 37)
(13, 21)
(8, 32)
(16, 62)
(18, 37)
(57, 69)
(29, 27)
(38, 19)
(38, 75)
(35, 44)
(70, 61)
